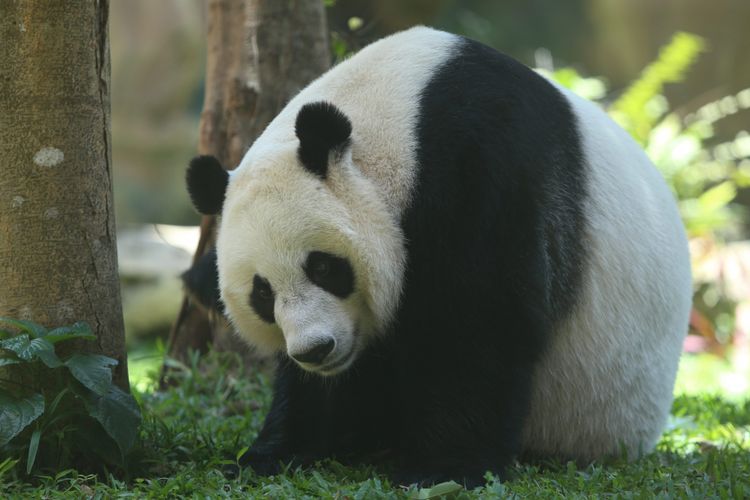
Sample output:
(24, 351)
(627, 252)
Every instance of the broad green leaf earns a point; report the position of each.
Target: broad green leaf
(80, 330)
(26, 348)
(92, 370)
(119, 415)
(33, 448)
(49, 358)
(15, 344)
(16, 414)
(33, 329)
(437, 491)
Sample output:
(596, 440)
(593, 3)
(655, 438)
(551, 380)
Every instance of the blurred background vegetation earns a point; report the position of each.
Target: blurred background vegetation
(673, 73)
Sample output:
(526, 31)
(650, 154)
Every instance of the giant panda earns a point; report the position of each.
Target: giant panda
(457, 263)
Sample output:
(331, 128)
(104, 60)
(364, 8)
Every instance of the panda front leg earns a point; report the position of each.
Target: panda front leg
(470, 393)
(312, 418)
(275, 443)
(458, 434)
(300, 427)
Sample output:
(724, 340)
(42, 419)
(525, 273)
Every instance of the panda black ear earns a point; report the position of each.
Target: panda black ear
(201, 282)
(207, 184)
(320, 128)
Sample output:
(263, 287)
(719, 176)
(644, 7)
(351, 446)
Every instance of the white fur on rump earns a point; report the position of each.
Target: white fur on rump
(606, 382)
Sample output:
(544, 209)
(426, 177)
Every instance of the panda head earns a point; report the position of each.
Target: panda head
(310, 260)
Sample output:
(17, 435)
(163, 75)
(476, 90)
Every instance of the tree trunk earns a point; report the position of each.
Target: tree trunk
(260, 54)
(58, 257)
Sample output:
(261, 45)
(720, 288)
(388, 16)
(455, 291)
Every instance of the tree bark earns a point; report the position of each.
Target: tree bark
(260, 54)
(58, 256)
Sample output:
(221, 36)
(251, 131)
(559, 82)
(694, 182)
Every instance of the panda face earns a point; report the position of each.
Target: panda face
(319, 326)
(304, 302)
(290, 274)
(310, 257)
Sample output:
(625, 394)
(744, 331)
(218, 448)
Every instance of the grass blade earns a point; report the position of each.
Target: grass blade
(33, 448)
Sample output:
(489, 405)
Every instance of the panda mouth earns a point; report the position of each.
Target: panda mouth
(342, 363)
(337, 366)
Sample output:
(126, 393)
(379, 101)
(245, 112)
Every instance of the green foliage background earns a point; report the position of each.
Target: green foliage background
(705, 184)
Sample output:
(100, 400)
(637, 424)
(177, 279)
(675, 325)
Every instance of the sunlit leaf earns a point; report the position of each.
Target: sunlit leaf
(718, 196)
(354, 23)
(742, 175)
(437, 491)
(242, 451)
(632, 110)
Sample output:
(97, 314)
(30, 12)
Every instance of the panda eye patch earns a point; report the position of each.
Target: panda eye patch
(331, 273)
(262, 299)
(264, 293)
(320, 269)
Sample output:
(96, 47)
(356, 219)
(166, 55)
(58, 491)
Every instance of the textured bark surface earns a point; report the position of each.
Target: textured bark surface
(58, 258)
(260, 53)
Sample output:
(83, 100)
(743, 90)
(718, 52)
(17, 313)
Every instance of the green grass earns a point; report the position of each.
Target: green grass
(193, 429)
(144, 365)
(706, 373)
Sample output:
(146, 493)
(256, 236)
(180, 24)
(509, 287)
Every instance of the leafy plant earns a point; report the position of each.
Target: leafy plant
(704, 178)
(60, 411)
(636, 109)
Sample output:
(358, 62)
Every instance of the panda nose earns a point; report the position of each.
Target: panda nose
(317, 354)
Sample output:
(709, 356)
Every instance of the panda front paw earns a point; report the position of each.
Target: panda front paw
(262, 464)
